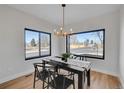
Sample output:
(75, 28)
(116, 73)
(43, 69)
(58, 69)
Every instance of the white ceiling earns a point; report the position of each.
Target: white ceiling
(74, 13)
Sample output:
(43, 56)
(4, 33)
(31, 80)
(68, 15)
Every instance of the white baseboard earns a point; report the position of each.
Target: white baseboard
(16, 76)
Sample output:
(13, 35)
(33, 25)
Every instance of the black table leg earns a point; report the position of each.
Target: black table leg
(80, 81)
(44, 64)
(80, 58)
(56, 69)
(88, 77)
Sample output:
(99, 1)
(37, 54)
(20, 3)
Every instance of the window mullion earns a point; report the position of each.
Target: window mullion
(39, 44)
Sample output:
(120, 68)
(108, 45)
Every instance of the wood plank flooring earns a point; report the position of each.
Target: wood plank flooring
(98, 81)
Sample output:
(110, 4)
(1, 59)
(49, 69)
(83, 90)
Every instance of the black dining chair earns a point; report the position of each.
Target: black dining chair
(43, 73)
(63, 81)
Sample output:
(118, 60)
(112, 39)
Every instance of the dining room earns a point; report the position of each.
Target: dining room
(57, 46)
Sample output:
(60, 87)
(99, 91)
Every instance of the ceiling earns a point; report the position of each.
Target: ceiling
(74, 13)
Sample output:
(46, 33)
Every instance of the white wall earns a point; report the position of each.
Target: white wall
(121, 65)
(12, 24)
(111, 23)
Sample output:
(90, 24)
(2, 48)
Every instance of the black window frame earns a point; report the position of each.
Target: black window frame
(39, 32)
(68, 43)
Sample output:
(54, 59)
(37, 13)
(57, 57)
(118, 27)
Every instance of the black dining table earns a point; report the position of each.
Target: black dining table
(79, 67)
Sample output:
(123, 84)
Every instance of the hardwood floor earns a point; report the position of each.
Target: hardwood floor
(98, 81)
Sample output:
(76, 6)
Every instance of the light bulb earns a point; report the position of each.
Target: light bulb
(61, 28)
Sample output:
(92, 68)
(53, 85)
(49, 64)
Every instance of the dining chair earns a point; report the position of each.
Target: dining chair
(63, 81)
(43, 73)
(65, 78)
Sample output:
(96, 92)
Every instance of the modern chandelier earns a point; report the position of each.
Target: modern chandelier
(61, 31)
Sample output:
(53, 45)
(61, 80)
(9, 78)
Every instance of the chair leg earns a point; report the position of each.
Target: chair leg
(63, 82)
(73, 82)
(48, 83)
(53, 80)
(34, 78)
(84, 75)
(43, 84)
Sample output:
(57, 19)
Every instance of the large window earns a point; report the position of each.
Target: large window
(89, 44)
(37, 44)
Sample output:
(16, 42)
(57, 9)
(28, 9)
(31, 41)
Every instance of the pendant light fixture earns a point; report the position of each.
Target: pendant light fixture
(61, 31)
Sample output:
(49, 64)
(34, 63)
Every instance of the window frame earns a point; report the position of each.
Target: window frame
(39, 37)
(68, 42)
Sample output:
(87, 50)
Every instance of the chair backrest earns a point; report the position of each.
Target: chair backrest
(38, 67)
(41, 70)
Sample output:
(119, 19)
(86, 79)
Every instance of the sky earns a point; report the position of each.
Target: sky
(30, 35)
(91, 36)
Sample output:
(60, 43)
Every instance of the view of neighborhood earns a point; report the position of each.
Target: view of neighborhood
(87, 43)
(84, 43)
(32, 44)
